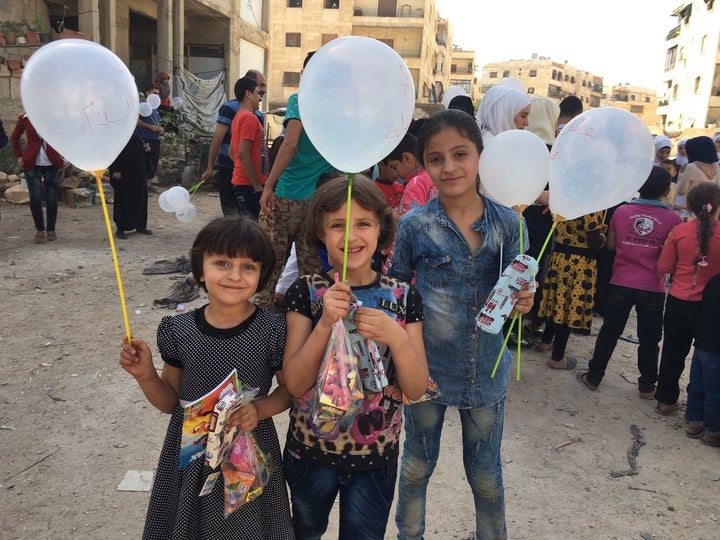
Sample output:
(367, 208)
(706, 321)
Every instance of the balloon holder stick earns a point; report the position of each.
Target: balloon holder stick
(108, 226)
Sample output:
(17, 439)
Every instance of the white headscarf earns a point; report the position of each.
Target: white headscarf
(544, 114)
(498, 109)
(661, 141)
(681, 160)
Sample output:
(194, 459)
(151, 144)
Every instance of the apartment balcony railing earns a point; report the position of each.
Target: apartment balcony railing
(404, 12)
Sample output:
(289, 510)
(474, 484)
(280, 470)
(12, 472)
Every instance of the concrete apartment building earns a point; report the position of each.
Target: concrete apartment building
(642, 102)
(692, 69)
(544, 77)
(413, 28)
(462, 72)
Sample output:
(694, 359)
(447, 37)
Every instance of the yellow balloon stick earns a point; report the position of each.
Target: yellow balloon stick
(98, 179)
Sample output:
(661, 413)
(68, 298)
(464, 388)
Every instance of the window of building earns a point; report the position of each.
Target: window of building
(291, 78)
(506, 73)
(327, 38)
(670, 58)
(632, 97)
(703, 43)
(492, 75)
(572, 80)
(554, 74)
(533, 73)
(647, 99)
(485, 87)
(453, 68)
(294, 3)
(637, 109)
(567, 78)
(470, 67)
(531, 90)
(696, 88)
(292, 39)
(584, 84)
(332, 4)
(675, 91)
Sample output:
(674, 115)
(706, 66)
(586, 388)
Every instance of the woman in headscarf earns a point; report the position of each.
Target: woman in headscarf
(501, 109)
(663, 146)
(702, 166)
(681, 159)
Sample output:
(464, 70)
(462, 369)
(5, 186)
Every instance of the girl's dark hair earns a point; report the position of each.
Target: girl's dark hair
(449, 118)
(233, 236)
(698, 199)
(333, 194)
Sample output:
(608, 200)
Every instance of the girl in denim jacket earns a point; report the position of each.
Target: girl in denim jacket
(456, 246)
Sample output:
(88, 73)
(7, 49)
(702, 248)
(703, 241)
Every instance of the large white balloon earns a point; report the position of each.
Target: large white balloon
(82, 100)
(177, 102)
(600, 159)
(153, 100)
(451, 92)
(145, 109)
(187, 213)
(164, 203)
(514, 167)
(352, 118)
(177, 197)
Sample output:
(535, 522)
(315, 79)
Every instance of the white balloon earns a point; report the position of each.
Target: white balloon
(177, 102)
(153, 100)
(187, 213)
(82, 100)
(178, 197)
(514, 167)
(164, 203)
(351, 122)
(451, 92)
(144, 109)
(600, 159)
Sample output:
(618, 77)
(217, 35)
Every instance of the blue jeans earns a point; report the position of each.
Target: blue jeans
(703, 400)
(481, 438)
(50, 176)
(649, 309)
(365, 499)
(248, 200)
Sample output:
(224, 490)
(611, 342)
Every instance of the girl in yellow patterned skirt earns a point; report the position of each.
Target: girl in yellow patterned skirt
(569, 288)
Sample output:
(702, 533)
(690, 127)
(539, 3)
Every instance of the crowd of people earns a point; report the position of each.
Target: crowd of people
(419, 246)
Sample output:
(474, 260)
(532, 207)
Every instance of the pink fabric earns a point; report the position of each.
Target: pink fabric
(678, 256)
(641, 230)
(419, 189)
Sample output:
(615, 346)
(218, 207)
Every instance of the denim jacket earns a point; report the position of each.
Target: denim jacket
(454, 284)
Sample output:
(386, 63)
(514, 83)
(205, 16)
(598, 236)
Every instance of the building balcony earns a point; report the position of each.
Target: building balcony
(404, 13)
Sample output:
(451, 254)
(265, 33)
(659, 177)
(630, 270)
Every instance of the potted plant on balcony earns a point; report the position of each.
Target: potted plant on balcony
(10, 30)
(32, 33)
(60, 32)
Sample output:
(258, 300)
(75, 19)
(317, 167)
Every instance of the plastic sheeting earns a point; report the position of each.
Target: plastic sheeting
(201, 99)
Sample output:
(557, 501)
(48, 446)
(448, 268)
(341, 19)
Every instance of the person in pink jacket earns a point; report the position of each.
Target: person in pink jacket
(692, 255)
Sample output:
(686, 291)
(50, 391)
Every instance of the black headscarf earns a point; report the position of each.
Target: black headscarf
(462, 103)
(701, 149)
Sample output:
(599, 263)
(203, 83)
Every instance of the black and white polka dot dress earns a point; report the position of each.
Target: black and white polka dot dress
(207, 355)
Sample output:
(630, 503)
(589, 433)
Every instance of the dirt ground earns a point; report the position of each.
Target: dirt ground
(73, 422)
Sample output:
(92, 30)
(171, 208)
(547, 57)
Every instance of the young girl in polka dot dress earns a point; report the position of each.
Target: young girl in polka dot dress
(356, 456)
(231, 258)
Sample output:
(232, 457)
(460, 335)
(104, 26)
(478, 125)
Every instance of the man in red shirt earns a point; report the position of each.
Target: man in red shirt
(246, 141)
